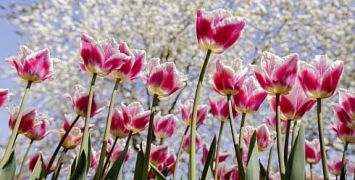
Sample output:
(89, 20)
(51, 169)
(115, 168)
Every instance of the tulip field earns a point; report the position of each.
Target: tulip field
(116, 109)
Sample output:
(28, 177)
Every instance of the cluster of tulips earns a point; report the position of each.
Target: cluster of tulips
(293, 88)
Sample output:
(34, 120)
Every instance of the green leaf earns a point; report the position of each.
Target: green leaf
(115, 169)
(158, 174)
(139, 165)
(8, 171)
(263, 174)
(253, 167)
(296, 163)
(211, 153)
(72, 168)
(80, 168)
(37, 172)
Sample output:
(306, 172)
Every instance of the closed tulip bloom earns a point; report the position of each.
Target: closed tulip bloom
(293, 105)
(27, 120)
(345, 110)
(100, 57)
(313, 153)
(219, 109)
(250, 97)
(73, 139)
(335, 166)
(246, 133)
(33, 66)
(263, 137)
(218, 30)
(80, 102)
(186, 112)
(118, 128)
(40, 128)
(187, 141)
(276, 75)
(132, 66)
(228, 80)
(321, 79)
(158, 154)
(164, 126)
(346, 134)
(163, 79)
(4, 95)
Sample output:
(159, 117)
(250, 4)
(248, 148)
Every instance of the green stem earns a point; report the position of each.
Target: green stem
(343, 171)
(192, 158)
(311, 171)
(19, 176)
(286, 140)
(51, 161)
(236, 146)
(178, 152)
(149, 137)
(321, 139)
(110, 153)
(14, 133)
(217, 150)
(107, 130)
(278, 138)
(59, 164)
(241, 126)
(269, 161)
(161, 141)
(294, 132)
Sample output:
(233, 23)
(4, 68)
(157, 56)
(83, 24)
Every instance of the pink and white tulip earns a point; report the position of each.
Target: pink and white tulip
(335, 166)
(132, 66)
(313, 152)
(33, 160)
(250, 97)
(4, 96)
(276, 75)
(73, 139)
(80, 102)
(218, 30)
(40, 128)
(263, 137)
(158, 155)
(219, 109)
(33, 66)
(346, 134)
(222, 156)
(28, 120)
(187, 141)
(293, 105)
(100, 57)
(117, 151)
(186, 112)
(321, 79)
(164, 126)
(163, 79)
(345, 110)
(228, 80)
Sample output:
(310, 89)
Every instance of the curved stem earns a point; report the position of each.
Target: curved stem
(236, 146)
(336, 177)
(110, 154)
(241, 126)
(269, 161)
(321, 139)
(59, 164)
(286, 140)
(343, 171)
(278, 138)
(107, 130)
(149, 137)
(14, 133)
(51, 161)
(294, 132)
(192, 158)
(19, 176)
(217, 150)
(310, 170)
(178, 152)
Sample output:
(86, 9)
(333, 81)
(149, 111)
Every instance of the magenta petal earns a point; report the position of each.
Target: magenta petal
(331, 79)
(341, 113)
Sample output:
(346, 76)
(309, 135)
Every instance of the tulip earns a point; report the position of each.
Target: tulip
(4, 96)
(228, 80)
(100, 57)
(40, 128)
(163, 79)
(345, 110)
(117, 150)
(263, 137)
(250, 97)
(166, 159)
(27, 120)
(231, 173)
(351, 168)
(168, 163)
(34, 67)
(186, 112)
(118, 128)
(164, 126)
(33, 160)
(135, 117)
(80, 102)
(219, 109)
(346, 134)
(313, 152)
(158, 155)
(218, 30)
(271, 122)
(335, 166)
(187, 143)
(222, 157)
(73, 139)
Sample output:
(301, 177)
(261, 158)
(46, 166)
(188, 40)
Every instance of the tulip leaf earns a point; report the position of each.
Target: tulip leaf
(253, 167)
(37, 172)
(72, 168)
(209, 160)
(9, 168)
(263, 174)
(158, 174)
(80, 168)
(116, 167)
(139, 164)
(296, 163)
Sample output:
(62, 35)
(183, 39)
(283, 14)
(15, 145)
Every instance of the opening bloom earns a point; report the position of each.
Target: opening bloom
(346, 134)
(263, 137)
(321, 79)
(73, 139)
(33, 66)
(313, 153)
(28, 119)
(227, 80)
(40, 128)
(80, 102)
(219, 109)
(218, 30)
(277, 75)
(132, 65)
(250, 97)
(164, 126)
(163, 79)
(345, 110)
(4, 95)
(158, 155)
(186, 112)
